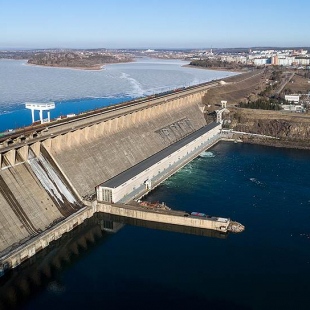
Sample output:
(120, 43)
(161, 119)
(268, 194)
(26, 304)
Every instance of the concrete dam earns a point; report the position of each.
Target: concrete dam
(49, 177)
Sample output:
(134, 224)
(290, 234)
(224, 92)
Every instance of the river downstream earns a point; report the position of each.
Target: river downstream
(265, 267)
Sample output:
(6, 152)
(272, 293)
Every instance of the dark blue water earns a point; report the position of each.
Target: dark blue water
(265, 267)
(19, 116)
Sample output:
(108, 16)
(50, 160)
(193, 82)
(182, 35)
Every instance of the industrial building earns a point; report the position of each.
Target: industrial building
(292, 99)
(142, 177)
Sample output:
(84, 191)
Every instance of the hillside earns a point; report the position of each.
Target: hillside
(237, 88)
(80, 60)
(292, 129)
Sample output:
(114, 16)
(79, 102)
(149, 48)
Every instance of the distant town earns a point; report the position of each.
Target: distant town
(286, 57)
(298, 58)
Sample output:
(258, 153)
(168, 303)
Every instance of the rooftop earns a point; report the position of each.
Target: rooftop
(150, 161)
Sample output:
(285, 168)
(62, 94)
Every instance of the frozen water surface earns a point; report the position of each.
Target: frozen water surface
(20, 82)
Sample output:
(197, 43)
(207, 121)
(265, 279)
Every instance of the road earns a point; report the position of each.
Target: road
(284, 83)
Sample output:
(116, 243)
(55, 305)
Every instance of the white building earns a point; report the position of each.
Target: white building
(292, 98)
(142, 177)
(286, 61)
(242, 59)
(261, 61)
(293, 107)
(302, 61)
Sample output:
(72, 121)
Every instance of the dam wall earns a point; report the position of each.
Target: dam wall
(33, 196)
(45, 176)
(91, 155)
(37, 243)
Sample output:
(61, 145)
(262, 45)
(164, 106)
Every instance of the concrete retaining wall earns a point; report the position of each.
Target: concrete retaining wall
(36, 244)
(176, 219)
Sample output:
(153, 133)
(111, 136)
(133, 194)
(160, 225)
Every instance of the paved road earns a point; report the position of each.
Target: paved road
(284, 83)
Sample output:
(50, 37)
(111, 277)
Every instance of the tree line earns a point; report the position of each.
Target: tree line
(261, 104)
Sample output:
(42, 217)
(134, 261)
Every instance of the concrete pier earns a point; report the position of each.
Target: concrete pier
(162, 216)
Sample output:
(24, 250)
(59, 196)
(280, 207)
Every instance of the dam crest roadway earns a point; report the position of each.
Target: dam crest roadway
(54, 177)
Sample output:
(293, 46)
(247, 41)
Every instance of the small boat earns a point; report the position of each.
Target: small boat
(154, 205)
(235, 227)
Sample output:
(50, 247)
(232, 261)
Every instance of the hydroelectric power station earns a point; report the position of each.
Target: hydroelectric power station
(56, 175)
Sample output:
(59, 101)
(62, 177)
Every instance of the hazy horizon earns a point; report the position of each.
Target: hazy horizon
(134, 24)
(148, 47)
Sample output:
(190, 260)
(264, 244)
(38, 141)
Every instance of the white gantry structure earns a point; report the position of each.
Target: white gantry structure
(219, 113)
(40, 107)
(223, 103)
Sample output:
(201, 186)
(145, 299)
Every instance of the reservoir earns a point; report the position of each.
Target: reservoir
(77, 91)
(265, 267)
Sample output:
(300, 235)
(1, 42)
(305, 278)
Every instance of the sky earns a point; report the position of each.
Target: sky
(153, 23)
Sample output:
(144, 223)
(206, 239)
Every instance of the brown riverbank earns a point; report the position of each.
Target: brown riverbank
(80, 60)
(95, 68)
(291, 130)
(217, 69)
(281, 143)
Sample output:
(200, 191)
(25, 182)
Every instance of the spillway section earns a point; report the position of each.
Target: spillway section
(49, 179)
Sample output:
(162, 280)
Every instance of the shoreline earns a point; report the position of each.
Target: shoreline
(101, 67)
(279, 144)
(95, 68)
(98, 67)
(216, 69)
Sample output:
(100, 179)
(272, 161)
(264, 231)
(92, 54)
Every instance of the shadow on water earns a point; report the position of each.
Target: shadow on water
(43, 271)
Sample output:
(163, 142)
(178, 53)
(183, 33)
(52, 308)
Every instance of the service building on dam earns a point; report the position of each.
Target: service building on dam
(147, 174)
(56, 175)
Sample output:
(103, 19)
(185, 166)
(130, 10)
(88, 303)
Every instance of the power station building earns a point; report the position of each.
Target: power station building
(147, 174)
